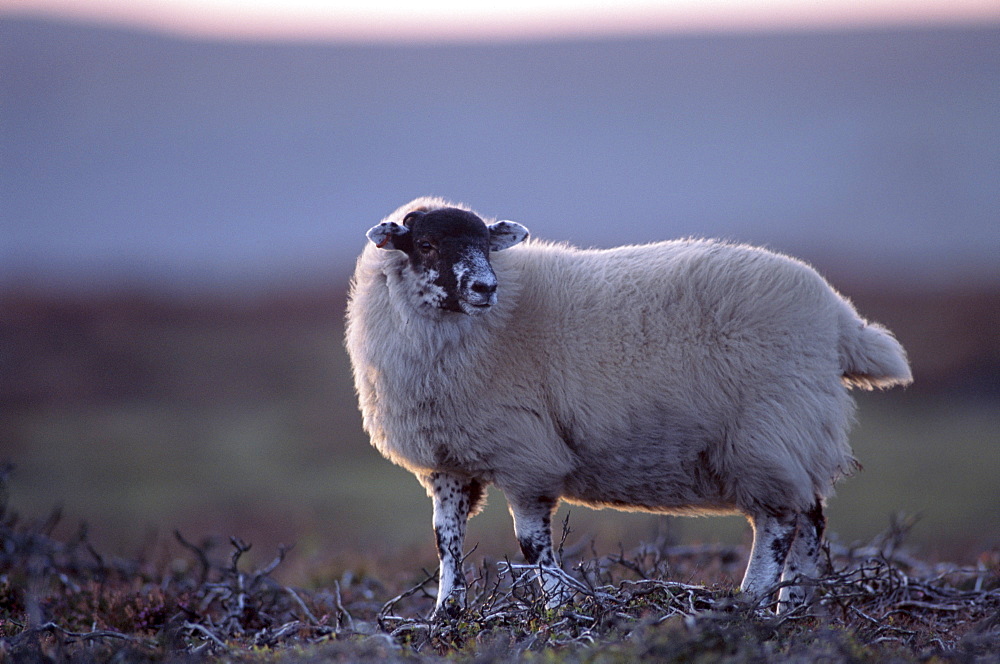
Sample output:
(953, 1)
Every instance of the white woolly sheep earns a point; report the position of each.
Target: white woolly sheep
(687, 377)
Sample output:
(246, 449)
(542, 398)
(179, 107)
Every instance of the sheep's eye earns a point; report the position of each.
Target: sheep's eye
(425, 247)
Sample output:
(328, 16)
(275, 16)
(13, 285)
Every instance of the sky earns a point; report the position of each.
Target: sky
(451, 20)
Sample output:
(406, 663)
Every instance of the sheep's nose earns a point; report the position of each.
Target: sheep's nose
(484, 288)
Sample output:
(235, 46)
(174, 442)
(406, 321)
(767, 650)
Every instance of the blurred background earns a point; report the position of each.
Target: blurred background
(184, 188)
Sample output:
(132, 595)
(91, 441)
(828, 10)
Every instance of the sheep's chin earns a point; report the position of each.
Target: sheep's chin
(474, 310)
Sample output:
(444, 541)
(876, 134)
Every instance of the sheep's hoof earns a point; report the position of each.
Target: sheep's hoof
(452, 607)
(558, 598)
(559, 588)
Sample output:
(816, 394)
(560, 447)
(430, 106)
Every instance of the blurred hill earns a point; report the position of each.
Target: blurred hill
(103, 348)
(132, 156)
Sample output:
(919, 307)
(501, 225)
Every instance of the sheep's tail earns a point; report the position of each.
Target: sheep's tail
(870, 356)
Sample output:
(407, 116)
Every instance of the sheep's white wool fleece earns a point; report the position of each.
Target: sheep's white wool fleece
(688, 376)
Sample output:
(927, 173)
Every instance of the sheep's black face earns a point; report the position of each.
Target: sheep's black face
(448, 256)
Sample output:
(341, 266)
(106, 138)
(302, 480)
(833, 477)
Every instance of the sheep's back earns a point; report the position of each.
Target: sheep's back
(680, 315)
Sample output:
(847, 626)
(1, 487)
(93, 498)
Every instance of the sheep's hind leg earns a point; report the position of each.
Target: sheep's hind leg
(772, 540)
(533, 528)
(803, 559)
(455, 498)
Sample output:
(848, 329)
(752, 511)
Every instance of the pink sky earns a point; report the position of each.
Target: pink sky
(461, 19)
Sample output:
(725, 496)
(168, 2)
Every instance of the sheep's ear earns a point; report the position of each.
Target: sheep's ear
(390, 235)
(505, 234)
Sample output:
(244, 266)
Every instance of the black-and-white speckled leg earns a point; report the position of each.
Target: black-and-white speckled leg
(454, 499)
(803, 559)
(533, 528)
(772, 541)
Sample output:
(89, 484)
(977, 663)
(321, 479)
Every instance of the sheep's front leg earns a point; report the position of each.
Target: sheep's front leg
(803, 559)
(454, 499)
(772, 540)
(533, 528)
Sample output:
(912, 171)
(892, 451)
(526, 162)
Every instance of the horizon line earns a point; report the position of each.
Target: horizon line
(511, 30)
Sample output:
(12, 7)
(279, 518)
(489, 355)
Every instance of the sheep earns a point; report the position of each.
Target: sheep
(687, 377)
